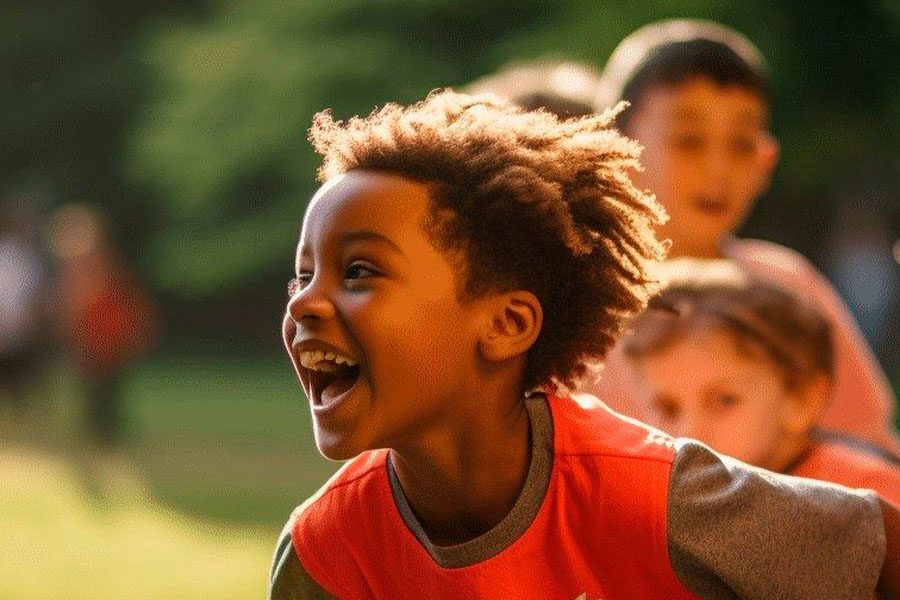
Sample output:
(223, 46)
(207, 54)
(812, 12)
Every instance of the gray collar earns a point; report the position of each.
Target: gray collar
(523, 511)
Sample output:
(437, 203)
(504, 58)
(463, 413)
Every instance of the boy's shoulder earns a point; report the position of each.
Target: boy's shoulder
(320, 533)
(583, 425)
(841, 462)
(359, 475)
(768, 256)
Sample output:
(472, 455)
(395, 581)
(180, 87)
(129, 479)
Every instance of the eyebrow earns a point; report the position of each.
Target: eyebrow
(691, 114)
(362, 235)
(367, 235)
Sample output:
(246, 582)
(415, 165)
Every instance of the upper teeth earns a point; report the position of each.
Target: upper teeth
(324, 361)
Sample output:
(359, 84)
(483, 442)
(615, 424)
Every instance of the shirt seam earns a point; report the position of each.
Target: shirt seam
(614, 455)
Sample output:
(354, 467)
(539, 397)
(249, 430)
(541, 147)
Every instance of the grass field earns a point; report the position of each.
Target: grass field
(61, 541)
(221, 452)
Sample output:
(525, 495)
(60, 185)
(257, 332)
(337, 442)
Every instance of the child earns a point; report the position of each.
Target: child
(460, 263)
(746, 367)
(565, 88)
(699, 106)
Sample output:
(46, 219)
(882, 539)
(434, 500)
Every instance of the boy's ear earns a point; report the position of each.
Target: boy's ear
(807, 403)
(514, 323)
(768, 153)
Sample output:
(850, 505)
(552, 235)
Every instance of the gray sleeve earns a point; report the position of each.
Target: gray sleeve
(288, 579)
(737, 532)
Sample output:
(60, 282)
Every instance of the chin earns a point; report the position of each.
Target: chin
(336, 446)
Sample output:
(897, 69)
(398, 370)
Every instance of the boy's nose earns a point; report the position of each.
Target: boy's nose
(310, 303)
(692, 427)
(717, 164)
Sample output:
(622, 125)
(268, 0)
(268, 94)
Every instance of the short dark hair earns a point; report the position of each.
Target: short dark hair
(527, 201)
(565, 88)
(668, 53)
(718, 293)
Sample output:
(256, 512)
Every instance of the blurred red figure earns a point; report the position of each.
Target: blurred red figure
(106, 318)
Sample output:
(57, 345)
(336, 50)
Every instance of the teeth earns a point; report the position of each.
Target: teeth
(328, 362)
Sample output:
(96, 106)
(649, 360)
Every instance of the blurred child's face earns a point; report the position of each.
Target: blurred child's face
(703, 386)
(707, 156)
(374, 327)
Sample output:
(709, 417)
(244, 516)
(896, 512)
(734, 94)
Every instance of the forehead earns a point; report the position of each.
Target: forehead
(700, 99)
(714, 346)
(389, 205)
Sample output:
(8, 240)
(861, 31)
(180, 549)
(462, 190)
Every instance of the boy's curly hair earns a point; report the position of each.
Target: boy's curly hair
(531, 201)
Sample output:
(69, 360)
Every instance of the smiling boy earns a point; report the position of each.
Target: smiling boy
(699, 106)
(746, 367)
(461, 262)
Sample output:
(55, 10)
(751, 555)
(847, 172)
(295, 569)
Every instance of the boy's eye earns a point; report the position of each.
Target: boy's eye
(666, 409)
(688, 141)
(359, 270)
(726, 400)
(295, 284)
(743, 146)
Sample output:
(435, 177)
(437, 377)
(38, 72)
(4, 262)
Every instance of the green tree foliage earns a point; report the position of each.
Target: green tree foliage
(187, 119)
(221, 144)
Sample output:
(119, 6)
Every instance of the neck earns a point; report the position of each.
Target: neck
(789, 453)
(696, 249)
(463, 480)
(686, 244)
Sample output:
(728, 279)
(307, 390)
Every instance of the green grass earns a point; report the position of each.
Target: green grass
(220, 452)
(223, 439)
(61, 541)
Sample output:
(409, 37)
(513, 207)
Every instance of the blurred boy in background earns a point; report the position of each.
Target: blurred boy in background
(699, 106)
(24, 308)
(565, 88)
(747, 368)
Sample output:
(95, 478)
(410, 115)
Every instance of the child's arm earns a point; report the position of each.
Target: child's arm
(739, 532)
(889, 583)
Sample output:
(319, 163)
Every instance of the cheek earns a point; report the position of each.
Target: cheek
(670, 179)
(417, 341)
(745, 188)
(751, 435)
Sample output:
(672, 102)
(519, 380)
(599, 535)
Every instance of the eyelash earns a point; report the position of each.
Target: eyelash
(357, 266)
(295, 284)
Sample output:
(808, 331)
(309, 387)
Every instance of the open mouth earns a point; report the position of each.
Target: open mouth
(330, 376)
(710, 206)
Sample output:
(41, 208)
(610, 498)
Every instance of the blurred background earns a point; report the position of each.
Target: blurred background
(153, 172)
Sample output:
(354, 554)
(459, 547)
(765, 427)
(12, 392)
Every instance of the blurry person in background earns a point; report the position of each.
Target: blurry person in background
(747, 368)
(699, 106)
(565, 88)
(24, 276)
(865, 271)
(106, 318)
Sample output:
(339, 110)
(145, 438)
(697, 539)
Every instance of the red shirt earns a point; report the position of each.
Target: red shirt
(599, 530)
(843, 464)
